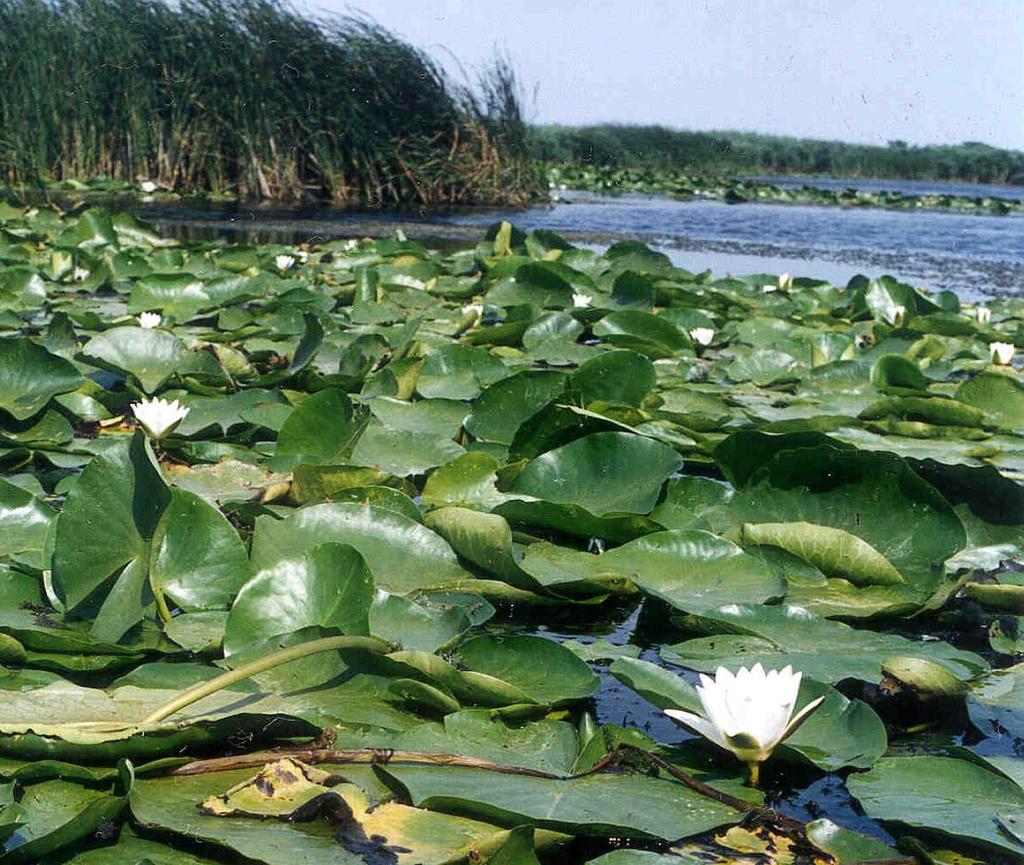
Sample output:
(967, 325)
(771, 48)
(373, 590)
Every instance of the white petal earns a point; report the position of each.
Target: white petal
(712, 697)
(706, 681)
(698, 724)
(800, 717)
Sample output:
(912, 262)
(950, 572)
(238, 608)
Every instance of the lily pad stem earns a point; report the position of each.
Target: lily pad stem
(267, 662)
(755, 774)
(161, 605)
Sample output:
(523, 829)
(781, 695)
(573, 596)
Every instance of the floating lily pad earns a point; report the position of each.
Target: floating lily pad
(402, 554)
(780, 635)
(31, 377)
(950, 797)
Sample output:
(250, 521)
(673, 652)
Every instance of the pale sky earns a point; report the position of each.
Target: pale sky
(926, 71)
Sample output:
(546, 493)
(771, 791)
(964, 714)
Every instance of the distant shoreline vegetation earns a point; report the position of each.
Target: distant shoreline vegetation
(615, 181)
(726, 153)
(251, 98)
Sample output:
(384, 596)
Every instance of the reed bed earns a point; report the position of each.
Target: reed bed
(249, 97)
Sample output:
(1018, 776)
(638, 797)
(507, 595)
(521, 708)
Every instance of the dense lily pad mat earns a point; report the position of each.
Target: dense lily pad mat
(406, 478)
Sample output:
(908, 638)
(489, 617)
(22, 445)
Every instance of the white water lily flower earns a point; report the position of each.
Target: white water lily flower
(768, 289)
(476, 309)
(80, 274)
(899, 315)
(702, 335)
(581, 301)
(1002, 352)
(159, 416)
(284, 262)
(984, 314)
(149, 320)
(148, 186)
(749, 713)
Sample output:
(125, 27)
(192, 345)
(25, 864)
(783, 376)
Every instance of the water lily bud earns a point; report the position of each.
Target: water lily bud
(159, 417)
(898, 316)
(284, 262)
(748, 713)
(581, 301)
(149, 320)
(785, 281)
(984, 314)
(60, 264)
(1002, 352)
(702, 335)
(927, 678)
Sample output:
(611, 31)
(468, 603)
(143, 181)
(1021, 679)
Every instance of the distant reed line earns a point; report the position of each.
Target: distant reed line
(724, 152)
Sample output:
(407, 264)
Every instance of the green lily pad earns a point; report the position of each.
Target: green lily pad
(540, 668)
(106, 529)
(605, 473)
(150, 356)
(321, 429)
(403, 453)
(56, 815)
(31, 377)
(996, 702)
(950, 797)
(694, 571)
(779, 635)
(500, 410)
(329, 586)
(875, 497)
(632, 806)
(402, 554)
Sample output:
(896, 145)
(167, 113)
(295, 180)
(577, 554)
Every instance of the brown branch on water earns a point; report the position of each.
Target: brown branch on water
(379, 756)
(385, 756)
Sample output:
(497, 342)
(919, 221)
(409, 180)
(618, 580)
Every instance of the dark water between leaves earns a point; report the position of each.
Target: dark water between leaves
(977, 256)
(803, 793)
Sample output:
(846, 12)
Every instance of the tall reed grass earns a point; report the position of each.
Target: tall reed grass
(250, 96)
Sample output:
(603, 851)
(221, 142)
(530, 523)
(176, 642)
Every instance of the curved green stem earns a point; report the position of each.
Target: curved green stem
(268, 662)
(161, 604)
